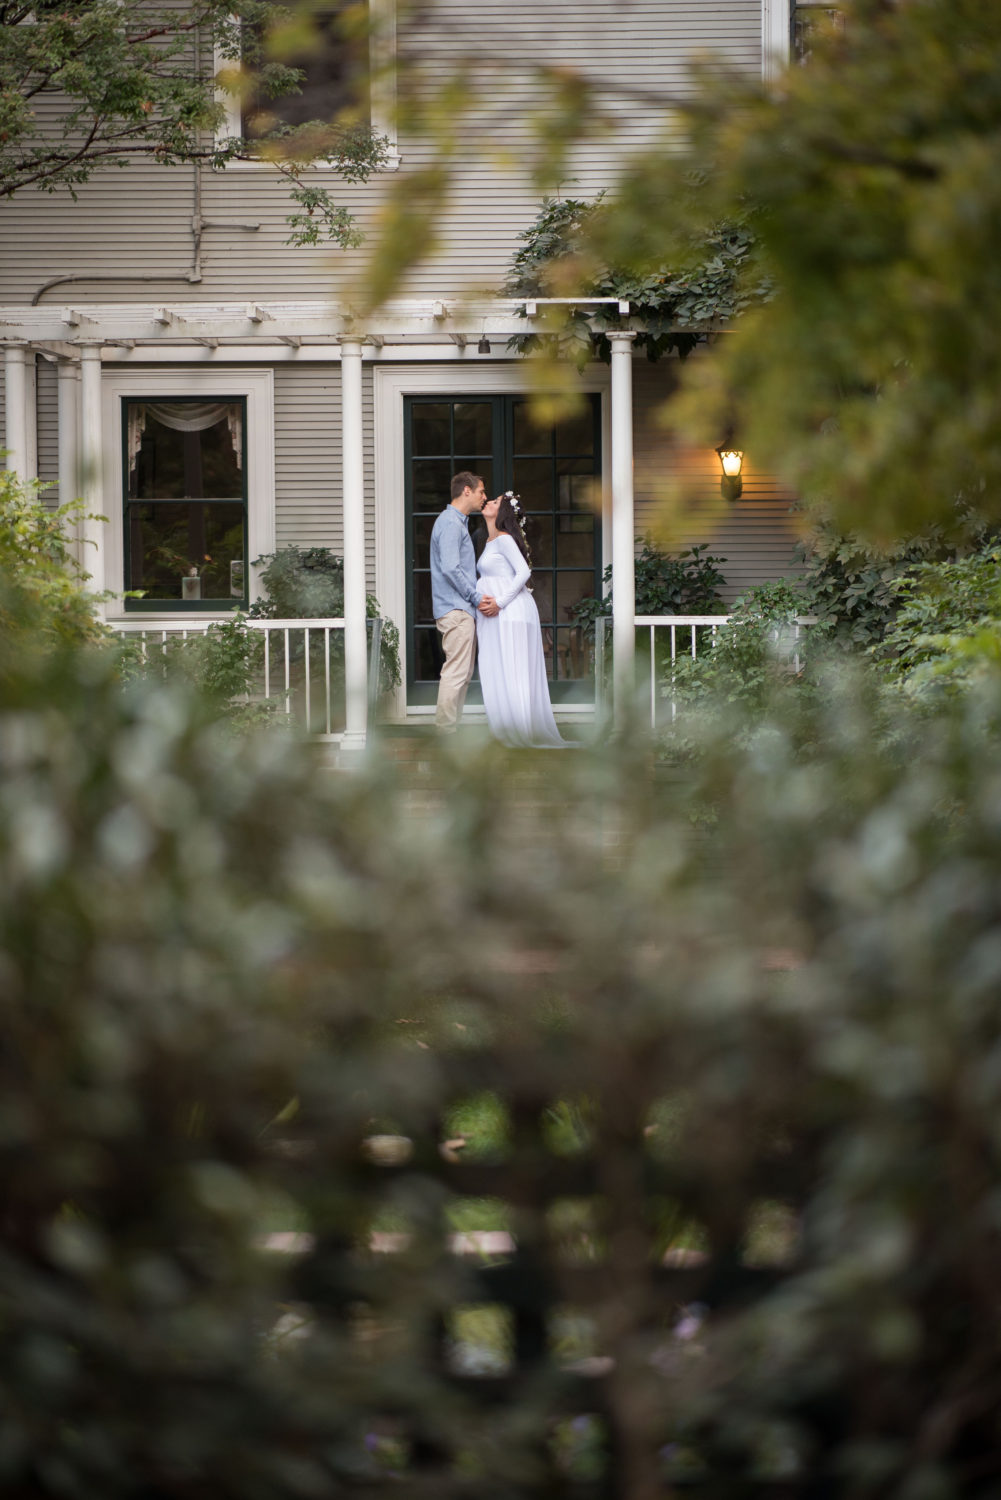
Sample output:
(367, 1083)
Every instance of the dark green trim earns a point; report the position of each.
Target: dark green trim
(184, 606)
(423, 691)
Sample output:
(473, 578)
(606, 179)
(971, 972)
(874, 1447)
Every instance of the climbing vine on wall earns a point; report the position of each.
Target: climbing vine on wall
(676, 308)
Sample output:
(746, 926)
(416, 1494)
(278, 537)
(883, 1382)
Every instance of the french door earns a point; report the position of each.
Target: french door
(557, 472)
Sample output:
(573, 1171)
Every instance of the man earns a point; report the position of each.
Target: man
(456, 596)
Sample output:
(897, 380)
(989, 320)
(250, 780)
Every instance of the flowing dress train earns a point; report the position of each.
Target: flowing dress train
(511, 660)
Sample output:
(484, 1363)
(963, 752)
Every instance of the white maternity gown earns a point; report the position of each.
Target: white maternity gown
(511, 660)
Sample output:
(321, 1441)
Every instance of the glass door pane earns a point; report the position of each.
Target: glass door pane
(441, 437)
(557, 472)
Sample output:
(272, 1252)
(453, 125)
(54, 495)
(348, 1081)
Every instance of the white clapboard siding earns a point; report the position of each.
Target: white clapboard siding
(47, 383)
(308, 510)
(137, 223)
(678, 496)
(308, 456)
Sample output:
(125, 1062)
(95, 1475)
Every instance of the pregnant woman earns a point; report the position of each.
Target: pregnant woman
(509, 645)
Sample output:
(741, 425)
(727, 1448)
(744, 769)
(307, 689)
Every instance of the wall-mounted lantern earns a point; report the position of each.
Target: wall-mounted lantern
(731, 461)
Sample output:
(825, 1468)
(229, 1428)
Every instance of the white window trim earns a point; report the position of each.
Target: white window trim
(382, 54)
(391, 384)
(257, 386)
(776, 28)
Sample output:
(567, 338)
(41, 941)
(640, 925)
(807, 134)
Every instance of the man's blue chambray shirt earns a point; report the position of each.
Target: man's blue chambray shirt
(453, 565)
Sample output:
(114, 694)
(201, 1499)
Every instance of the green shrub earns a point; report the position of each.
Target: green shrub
(300, 584)
(224, 664)
(665, 585)
(757, 652)
(853, 587)
(303, 584)
(947, 631)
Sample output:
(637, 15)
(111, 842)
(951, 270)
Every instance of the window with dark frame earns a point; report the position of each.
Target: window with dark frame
(334, 60)
(807, 17)
(185, 503)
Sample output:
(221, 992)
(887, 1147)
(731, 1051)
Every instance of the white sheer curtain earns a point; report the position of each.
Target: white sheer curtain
(185, 416)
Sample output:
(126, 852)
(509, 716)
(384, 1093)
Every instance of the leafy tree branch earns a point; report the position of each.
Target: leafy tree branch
(89, 86)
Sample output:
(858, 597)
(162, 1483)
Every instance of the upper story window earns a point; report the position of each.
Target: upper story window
(808, 16)
(343, 54)
(331, 56)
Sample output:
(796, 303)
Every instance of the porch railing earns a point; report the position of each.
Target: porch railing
(688, 635)
(299, 679)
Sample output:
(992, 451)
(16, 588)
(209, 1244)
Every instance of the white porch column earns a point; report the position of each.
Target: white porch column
(16, 410)
(68, 396)
(776, 25)
(353, 504)
(623, 530)
(90, 485)
(31, 408)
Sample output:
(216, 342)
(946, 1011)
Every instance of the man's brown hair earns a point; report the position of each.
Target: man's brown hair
(464, 481)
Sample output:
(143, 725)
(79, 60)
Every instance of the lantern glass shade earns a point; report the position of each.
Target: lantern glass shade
(731, 459)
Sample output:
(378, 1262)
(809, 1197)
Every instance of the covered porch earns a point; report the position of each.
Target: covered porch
(103, 352)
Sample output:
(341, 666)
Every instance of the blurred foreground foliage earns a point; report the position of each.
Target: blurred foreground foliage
(45, 598)
(867, 180)
(730, 1100)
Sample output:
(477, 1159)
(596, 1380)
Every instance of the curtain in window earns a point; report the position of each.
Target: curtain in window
(185, 416)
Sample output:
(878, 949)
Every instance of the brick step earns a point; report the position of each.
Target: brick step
(421, 760)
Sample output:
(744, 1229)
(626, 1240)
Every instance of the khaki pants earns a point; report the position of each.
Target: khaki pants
(458, 638)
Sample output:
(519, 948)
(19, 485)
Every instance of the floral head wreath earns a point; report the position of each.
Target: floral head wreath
(515, 503)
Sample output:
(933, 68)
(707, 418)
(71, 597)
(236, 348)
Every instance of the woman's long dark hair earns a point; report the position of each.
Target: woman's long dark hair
(510, 520)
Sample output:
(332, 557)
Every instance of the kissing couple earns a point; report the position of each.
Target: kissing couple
(486, 605)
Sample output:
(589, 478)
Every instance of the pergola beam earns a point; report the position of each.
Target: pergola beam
(259, 322)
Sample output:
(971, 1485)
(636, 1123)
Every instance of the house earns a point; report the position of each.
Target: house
(206, 389)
